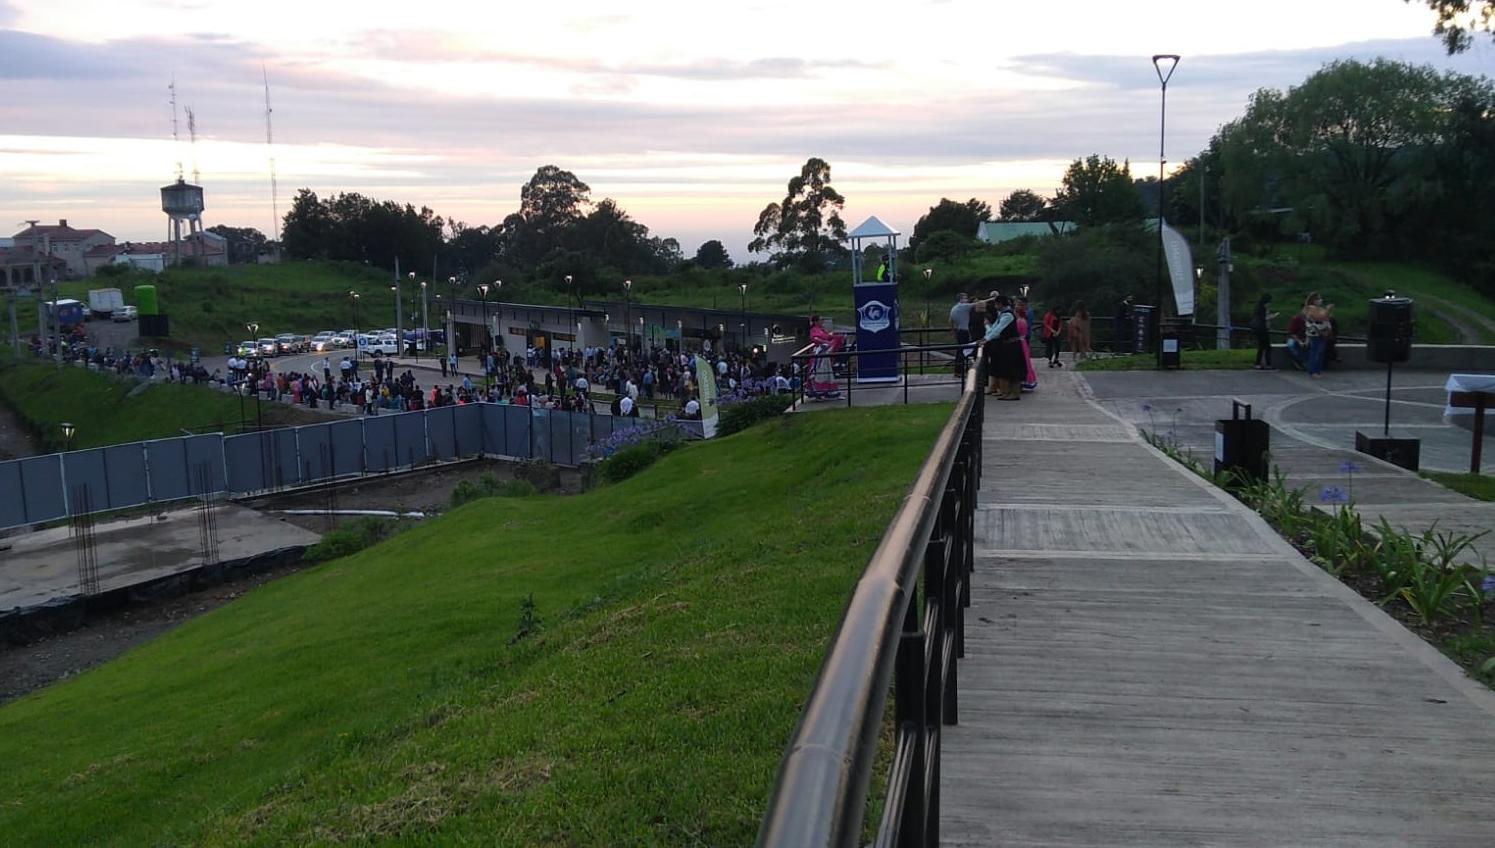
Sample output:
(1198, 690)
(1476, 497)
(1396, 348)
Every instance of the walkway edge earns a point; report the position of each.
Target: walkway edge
(1411, 643)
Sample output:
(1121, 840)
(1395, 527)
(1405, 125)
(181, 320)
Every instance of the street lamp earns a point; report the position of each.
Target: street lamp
(570, 297)
(425, 322)
(67, 435)
(487, 331)
(928, 284)
(742, 287)
(627, 305)
(1158, 63)
(354, 296)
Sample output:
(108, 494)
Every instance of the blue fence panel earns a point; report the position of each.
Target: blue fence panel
(379, 443)
(346, 440)
(540, 430)
(128, 484)
(316, 452)
(205, 462)
(285, 465)
(248, 460)
(469, 429)
(441, 423)
(41, 479)
(410, 438)
(516, 432)
(87, 481)
(493, 428)
(12, 497)
(168, 465)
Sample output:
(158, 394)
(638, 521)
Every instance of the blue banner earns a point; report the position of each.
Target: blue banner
(877, 329)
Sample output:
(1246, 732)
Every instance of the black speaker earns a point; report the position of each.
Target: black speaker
(1390, 336)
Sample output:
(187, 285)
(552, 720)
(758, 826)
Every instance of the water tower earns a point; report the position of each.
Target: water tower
(182, 203)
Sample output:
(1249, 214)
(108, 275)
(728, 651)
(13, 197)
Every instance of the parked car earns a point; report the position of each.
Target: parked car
(247, 348)
(345, 338)
(268, 347)
(125, 314)
(287, 343)
(323, 341)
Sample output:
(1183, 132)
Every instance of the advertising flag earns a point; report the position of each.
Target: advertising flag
(706, 385)
(1180, 268)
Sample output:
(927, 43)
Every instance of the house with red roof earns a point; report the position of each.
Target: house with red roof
(60, 241)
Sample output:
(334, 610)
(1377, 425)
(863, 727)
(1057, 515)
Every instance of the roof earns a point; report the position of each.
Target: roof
(23, 256)
(994, 232)
(134, 248)
(872, 228)
(59, 233)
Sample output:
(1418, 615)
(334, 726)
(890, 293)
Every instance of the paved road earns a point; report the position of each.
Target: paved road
(1148, 664)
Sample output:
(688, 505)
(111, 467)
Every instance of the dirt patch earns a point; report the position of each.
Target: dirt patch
(15, 440)
(46, 661)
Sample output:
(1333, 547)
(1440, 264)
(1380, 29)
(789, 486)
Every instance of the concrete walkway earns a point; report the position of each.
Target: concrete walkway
(1149, 664)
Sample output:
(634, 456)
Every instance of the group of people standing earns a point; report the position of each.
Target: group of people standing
(1311, 335)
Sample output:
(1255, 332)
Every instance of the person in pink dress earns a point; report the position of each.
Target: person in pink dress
(1030, 382)
(821, 382)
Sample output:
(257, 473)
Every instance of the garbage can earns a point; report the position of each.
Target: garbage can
(1242, 444)
(1172, 356)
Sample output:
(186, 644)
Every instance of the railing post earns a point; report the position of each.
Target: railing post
(909, 715)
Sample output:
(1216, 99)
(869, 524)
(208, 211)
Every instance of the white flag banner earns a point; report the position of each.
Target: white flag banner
(1180, 268)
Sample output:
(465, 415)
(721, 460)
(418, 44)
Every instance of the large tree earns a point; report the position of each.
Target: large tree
(1097, 191)
(1459, 20)
(962, 218)
(1023, 205)
(805, 228)
(712, 254)
(550, 204)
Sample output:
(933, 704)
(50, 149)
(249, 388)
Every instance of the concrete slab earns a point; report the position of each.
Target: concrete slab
(1148, 664)
(42, 566)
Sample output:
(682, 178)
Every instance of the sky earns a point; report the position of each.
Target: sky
(691, 115)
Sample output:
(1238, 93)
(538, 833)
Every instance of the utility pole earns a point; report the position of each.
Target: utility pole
(399, 322)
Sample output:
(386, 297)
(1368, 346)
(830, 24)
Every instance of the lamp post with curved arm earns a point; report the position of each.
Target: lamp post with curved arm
(1158, 63)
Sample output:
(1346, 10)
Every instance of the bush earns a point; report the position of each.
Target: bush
(628, 461)
(351, 538)
(489, 486)
(539, 473)
(744, 414)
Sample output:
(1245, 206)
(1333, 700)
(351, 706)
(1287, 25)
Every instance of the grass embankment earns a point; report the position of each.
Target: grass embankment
(108, 410)
(682, 615)
(1478, 486)
(1191, 360)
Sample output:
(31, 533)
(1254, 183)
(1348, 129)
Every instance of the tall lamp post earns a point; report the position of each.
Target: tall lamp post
(67, 435)
(353, 295)
(451, 327)
(487, 331)
(570, 299)
(418, 340)
(742, 287)
(928, 316)
(425, 320)
(1158, 63)
(627, 309)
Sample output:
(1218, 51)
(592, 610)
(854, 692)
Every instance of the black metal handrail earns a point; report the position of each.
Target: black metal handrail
(819, 798)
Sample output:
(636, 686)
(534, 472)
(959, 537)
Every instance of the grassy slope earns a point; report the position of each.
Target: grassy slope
(1414, 282)
(686, 610)
(1193, 360)
(1480, 486)
(106, 411)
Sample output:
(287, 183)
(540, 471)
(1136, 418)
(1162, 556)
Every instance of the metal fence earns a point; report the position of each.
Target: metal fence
(904, 625)
(61, 485)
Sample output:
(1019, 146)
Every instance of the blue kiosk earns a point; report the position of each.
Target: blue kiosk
(875, 295)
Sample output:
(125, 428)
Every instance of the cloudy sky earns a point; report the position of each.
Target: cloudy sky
(692, 115)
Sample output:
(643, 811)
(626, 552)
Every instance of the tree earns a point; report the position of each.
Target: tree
(549, 205)
(806, 227)
(244, 243)
(944, 246)
(306, 232)
(962, 218)
(712, 254)
(1458, 20)
(1097, 191)
(1023, 205)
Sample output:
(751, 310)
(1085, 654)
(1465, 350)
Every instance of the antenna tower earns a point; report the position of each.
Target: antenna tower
(192, 134)
(176, 147)
(270, 146)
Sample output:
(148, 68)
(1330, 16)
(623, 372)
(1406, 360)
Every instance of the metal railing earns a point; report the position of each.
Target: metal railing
(886, 636)
(954, 360)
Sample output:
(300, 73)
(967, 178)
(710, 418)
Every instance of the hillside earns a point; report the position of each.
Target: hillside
(107, 410)
(384, 696)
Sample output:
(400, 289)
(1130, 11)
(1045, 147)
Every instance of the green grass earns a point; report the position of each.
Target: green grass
(1478, 486)
(682, 615)
(1414, 282)
(1192, 360)
(1349, 291)
(106, 410)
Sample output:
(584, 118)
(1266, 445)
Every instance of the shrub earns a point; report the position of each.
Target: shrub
(744, 414)
(351, 538)
(541, 474)
(628, 461)
(489, 486)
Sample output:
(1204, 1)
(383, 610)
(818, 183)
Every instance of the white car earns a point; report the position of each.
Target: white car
(324, 341)
(369, 345)
(344, 338)
(123, 314)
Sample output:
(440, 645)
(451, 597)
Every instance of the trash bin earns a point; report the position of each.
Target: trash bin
(1172, 351)
(1242, 445)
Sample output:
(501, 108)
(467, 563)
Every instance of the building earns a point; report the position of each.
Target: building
(996, 232)
(62, 242)
(203, 248)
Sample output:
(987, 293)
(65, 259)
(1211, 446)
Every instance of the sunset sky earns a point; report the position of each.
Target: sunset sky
(691, 115)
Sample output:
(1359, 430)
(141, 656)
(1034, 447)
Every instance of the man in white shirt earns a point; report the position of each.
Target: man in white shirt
(625, 406)
(692, 409)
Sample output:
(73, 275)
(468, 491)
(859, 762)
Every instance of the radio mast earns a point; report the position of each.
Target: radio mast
(192, 134)
(176, 146)
(270, 147)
